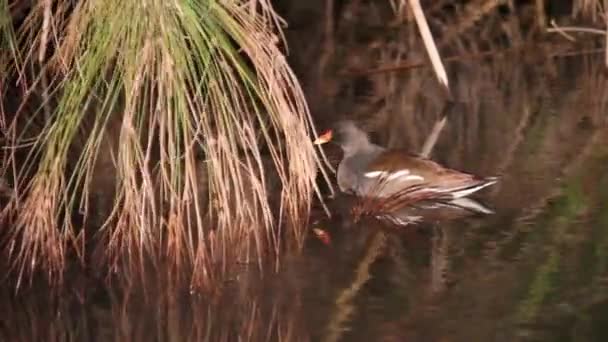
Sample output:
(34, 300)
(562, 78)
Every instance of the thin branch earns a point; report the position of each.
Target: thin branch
(429, 43)
(407, 65)
(430, 142)
(562, 29)
(438, 67)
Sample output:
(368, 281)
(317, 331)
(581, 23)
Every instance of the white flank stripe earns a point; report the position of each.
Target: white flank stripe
(374, 174)
(398, 174)
(413, 177)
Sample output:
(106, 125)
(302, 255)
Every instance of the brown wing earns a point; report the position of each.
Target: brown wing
(432, 172)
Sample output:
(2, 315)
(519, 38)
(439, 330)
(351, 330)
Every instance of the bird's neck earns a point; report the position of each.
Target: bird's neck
(363, 147)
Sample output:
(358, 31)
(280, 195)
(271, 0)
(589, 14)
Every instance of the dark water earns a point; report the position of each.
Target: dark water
(535, 271)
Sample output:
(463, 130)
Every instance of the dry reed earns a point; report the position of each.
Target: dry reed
(159, 85)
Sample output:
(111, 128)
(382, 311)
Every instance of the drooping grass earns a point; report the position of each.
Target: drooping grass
(8, 46)
(163, 82)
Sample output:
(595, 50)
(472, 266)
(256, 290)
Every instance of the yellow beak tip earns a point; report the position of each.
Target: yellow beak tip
(323, 138)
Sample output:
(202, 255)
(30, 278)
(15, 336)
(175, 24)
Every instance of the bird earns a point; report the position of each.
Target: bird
(398, 176)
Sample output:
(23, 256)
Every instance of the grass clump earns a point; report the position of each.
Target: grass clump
(177, 111)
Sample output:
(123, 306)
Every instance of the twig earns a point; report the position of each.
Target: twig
(420, 64)
(438, 67)
(563, 29)
(430, 142)
(560, 30)
(429, 43)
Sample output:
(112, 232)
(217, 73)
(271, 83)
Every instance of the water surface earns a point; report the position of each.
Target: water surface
(535, 271)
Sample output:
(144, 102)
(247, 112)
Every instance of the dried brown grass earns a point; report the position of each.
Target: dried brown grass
(163, 133)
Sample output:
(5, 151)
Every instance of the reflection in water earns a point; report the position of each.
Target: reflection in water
(536, 270)
(152, 311)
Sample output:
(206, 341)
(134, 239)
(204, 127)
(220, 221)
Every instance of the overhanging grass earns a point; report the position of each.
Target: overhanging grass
(165, 81)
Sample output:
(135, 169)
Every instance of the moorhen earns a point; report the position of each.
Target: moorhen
(373, 171)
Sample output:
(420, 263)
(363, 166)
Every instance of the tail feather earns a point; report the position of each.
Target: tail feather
(468, 189)
(472, 205)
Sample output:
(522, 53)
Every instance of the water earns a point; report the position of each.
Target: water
(535, 271)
